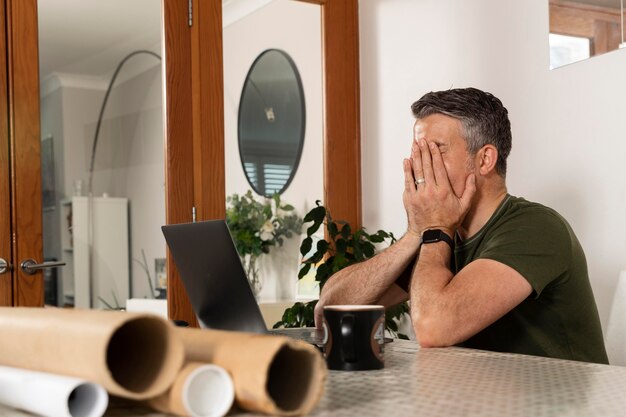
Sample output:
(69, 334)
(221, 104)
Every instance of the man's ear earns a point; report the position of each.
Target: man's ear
(487, 158)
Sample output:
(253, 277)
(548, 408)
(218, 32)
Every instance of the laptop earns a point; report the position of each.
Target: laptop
(216, 281)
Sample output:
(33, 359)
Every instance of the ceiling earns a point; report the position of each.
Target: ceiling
(90, 37)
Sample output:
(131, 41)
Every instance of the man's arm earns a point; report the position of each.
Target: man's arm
(448, 309)
(371, 281)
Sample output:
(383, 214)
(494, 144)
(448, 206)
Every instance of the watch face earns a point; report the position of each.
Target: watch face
(431, 236)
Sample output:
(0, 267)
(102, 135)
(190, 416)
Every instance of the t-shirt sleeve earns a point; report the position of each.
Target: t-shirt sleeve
(536, 244)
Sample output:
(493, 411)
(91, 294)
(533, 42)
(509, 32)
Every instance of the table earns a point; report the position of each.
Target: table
(465, 382)
(461, 382)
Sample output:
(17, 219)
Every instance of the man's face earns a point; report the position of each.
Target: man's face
(445, 132)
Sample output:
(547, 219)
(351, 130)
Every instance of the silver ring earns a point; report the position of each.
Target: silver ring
(420, 181)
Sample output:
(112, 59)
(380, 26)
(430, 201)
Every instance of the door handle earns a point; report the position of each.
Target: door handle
(4, 266)
(30, 266)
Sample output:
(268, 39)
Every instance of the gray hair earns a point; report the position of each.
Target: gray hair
(484, 119)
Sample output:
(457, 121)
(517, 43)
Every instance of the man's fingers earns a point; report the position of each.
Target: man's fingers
(468, 193)
(441, 175)
(409, 181)
(416, 161)
(427, 164)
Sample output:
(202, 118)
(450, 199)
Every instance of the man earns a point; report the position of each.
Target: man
(482, 269)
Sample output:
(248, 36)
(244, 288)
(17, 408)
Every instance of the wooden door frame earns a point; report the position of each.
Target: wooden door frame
(195, 149)
(24, 142)
(6, 279)
(596, 23)
(342, 138)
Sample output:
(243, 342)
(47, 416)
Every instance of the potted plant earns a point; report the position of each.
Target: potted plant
(256, 226)
(341, 247)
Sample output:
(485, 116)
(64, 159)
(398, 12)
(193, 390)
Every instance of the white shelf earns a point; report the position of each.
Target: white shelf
(110, 257)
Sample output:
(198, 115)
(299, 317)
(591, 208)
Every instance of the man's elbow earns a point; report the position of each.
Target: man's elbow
(431, 332)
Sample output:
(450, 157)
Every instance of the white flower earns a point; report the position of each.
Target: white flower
(267, 230)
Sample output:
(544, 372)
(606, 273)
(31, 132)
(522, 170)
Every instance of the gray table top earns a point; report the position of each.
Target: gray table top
(462, 382)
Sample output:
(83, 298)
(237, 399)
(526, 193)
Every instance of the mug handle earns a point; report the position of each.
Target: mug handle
(347, 338)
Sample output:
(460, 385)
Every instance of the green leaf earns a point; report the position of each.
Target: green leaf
(306, 245)
(357, 253)
(317, 214)
(317, 256)
(368, 250)
(287, 207)
(332, 230)
(339, 262)
(378, 237)
(322, 246)
(312, 229)
(323, 272)
(346, 231)
(299, 315)
(304, 270)
(341, 245)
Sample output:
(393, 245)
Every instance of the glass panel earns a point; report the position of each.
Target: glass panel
(102, 150)
(580, 29)
(284, 28)
(567, 49)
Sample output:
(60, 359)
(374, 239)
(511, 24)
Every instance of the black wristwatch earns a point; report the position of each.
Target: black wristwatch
(437, 235)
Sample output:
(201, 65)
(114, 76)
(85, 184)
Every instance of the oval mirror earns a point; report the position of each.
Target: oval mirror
(271, 122)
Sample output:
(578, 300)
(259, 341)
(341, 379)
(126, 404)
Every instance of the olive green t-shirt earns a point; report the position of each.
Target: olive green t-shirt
(559, 319)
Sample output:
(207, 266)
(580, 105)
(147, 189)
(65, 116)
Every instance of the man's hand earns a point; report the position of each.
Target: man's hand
(429, 200)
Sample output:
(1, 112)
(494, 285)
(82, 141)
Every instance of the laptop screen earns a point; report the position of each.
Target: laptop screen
(213, 276)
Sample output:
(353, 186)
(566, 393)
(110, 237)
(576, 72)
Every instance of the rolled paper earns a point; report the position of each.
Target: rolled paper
(272, 374)
(51, 395)
(199, 390)
(131, 355)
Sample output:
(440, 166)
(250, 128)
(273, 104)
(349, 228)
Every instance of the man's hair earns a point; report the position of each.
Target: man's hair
(483, 117)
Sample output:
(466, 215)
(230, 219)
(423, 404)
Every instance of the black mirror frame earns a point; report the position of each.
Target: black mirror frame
(302, 132)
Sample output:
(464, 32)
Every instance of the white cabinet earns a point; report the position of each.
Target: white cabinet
(108, 261)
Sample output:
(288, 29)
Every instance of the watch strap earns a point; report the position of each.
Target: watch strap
(437, 235)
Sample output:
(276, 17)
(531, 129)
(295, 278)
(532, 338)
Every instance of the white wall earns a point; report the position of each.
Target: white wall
(568, 130)
(293, 27)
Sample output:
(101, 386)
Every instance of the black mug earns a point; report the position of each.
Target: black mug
(354, 337)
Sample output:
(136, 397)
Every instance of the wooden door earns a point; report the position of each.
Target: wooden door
(24, 147)
(20, 162)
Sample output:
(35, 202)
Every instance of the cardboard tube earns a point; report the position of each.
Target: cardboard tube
(272, 374)
(200, 390)
(51, 395)
(131, 355)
